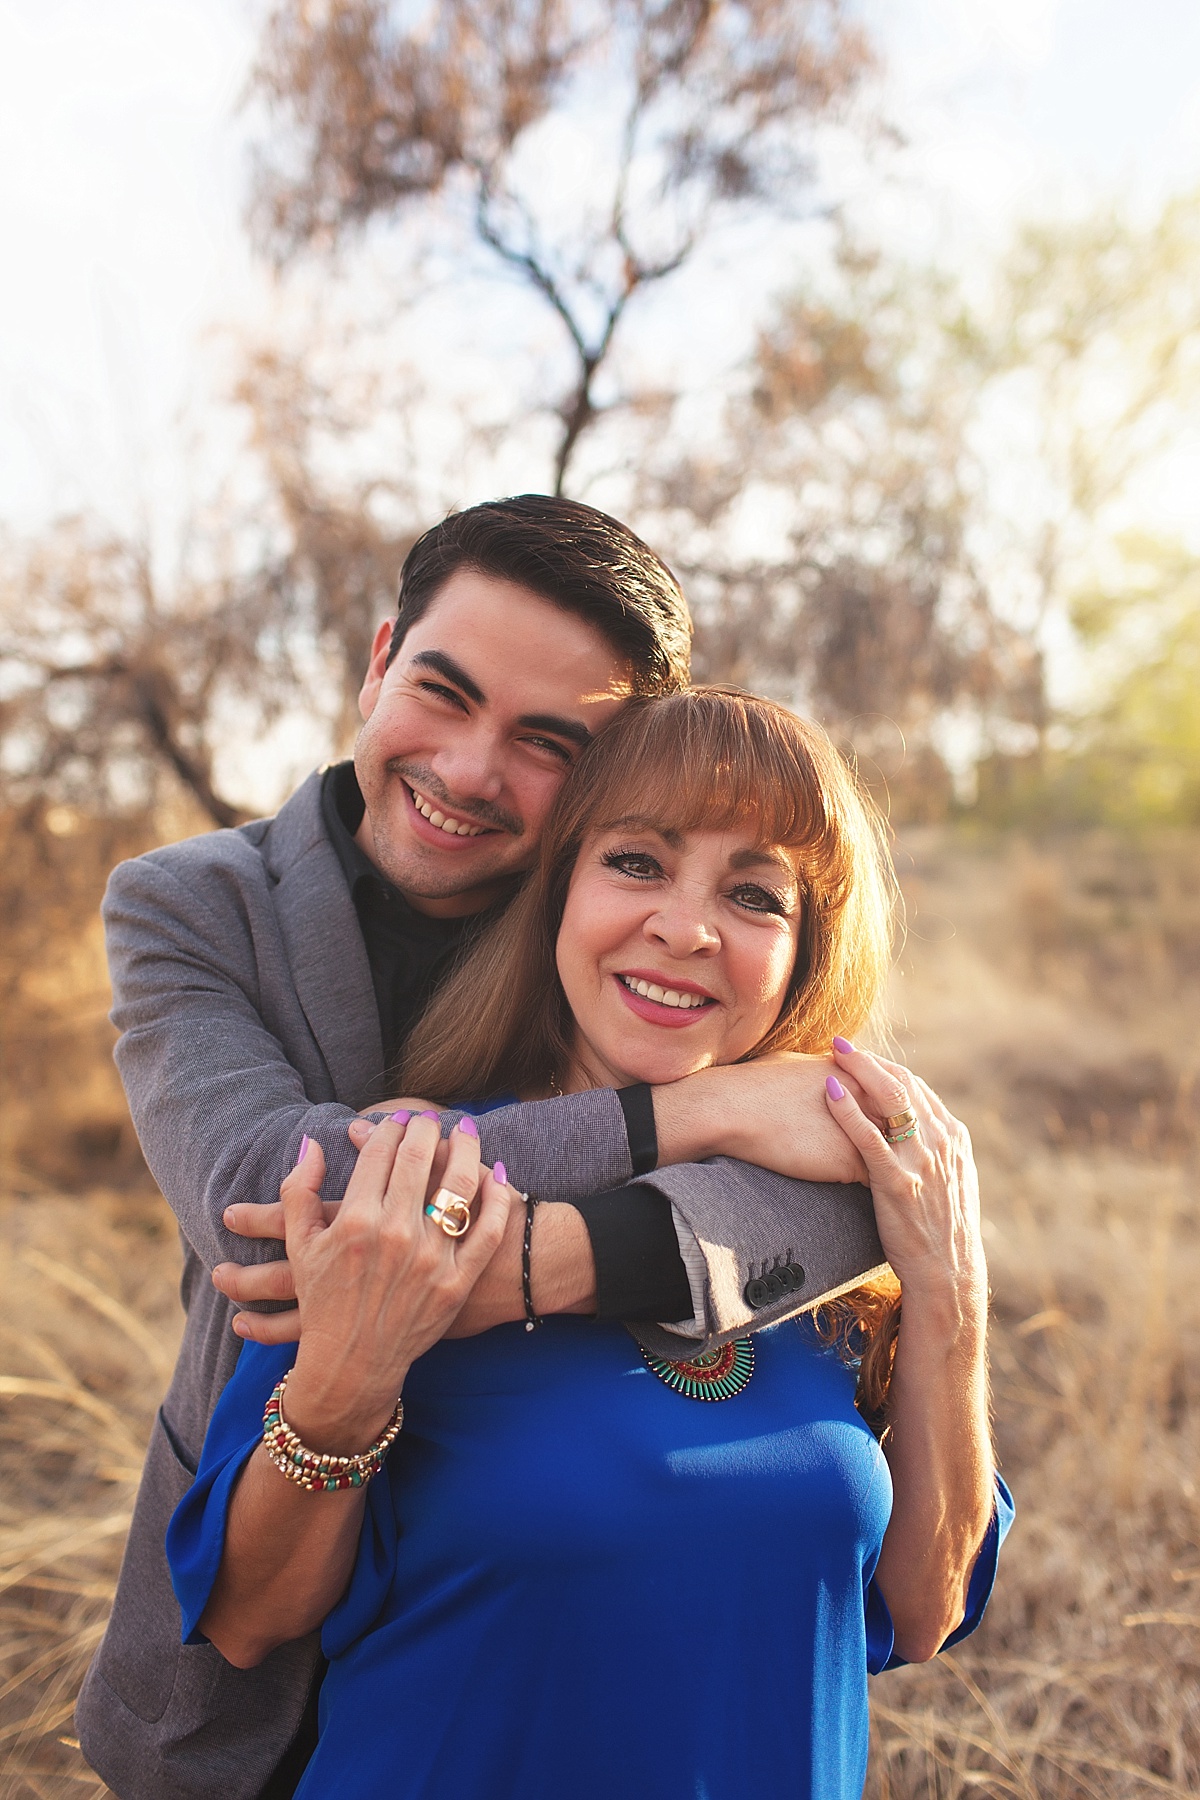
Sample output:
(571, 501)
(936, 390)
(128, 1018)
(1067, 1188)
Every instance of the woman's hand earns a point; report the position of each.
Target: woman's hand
(564, 1272)
(926, 1189)
(382, 1282)
(378, 1283)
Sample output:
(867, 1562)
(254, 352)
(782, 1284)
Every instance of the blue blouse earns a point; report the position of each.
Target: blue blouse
(573, 1581)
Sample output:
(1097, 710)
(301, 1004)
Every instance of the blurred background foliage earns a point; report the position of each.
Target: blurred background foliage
(835, 505)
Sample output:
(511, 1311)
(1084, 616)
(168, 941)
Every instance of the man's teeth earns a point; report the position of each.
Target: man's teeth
(650, 990)
(454, 827)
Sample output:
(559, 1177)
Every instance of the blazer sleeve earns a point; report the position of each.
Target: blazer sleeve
(758, 1248)
(218, 1105)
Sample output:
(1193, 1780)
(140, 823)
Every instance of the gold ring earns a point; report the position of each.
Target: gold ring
(902, 1120)
(450, 1211)
(900, 1137)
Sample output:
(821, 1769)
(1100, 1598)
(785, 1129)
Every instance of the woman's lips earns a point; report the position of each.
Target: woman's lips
(675, 1018)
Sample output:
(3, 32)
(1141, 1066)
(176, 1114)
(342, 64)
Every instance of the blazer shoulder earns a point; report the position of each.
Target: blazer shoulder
(255, 854)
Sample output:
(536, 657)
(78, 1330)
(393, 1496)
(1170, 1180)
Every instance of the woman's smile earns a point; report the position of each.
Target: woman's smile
(663, 999)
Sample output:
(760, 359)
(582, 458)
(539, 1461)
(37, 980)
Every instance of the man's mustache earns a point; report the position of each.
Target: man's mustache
(480, 812)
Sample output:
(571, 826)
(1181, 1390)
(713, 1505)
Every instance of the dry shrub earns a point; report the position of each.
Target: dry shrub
(63, 1119)
(1050, 992)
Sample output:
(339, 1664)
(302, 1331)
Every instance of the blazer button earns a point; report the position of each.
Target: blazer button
(757, 1292)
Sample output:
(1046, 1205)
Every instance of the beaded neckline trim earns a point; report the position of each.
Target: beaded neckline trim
(717, 1375)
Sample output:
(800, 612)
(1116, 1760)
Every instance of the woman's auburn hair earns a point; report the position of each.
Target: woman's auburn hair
(709, 758)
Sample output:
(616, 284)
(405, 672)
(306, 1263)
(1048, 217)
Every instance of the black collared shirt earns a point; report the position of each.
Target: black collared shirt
(639, 1271)
(408, 951)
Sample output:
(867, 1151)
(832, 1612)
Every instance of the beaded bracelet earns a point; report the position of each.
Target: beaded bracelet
(320, 1472)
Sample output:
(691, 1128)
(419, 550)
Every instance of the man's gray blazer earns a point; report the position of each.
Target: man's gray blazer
(247, 1018)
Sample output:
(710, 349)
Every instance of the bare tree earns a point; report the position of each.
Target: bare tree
(111, 684)
(332, 565)
(707, 109)
(124, 678)
(863, 600)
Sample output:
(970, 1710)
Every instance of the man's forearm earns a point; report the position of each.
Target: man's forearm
(562, 1272)
(687, 1120)
(558, 1149)
(770, 1112)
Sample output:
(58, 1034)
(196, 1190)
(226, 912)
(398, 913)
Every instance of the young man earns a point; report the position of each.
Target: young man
(264, 981)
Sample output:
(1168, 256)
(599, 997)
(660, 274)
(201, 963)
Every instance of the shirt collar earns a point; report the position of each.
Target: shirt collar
(342, 808)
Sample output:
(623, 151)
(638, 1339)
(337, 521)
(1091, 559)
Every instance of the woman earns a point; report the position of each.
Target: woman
(571, 1579)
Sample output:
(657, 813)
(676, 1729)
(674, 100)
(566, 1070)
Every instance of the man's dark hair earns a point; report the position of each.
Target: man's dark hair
(577, 558)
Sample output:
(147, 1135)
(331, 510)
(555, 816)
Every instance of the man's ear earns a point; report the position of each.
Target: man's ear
(368, 694)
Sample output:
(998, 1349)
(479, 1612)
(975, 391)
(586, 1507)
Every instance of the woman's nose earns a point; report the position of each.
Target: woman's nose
(683, 929)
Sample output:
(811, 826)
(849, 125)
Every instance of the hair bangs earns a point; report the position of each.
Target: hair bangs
(712, 759)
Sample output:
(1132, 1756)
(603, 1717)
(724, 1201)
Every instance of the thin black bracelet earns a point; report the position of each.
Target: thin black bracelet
(531, 1318)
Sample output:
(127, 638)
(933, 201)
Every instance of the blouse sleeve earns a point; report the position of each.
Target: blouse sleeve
(374, 1572)
(196, 1534)
(880, 1636)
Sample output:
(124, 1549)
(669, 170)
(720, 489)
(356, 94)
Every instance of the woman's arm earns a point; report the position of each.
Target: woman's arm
(288, 1558)
(938, 1448)
(938, 1438)
(376, 1288)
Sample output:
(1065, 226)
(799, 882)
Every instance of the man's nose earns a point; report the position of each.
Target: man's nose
(470, 768)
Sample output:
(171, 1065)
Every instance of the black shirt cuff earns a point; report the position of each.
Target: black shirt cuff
(639, 1271)
(637, 1104)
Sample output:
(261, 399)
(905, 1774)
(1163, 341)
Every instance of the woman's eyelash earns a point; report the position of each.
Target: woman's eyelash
(618, 859)
(764, 900)
(749, 896)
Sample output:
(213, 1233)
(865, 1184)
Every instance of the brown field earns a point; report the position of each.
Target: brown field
(1050, 991)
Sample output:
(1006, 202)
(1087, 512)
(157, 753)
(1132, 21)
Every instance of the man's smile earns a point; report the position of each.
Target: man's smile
(439, 816)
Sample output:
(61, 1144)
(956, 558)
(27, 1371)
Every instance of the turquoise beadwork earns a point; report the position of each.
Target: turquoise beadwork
(717, 1375)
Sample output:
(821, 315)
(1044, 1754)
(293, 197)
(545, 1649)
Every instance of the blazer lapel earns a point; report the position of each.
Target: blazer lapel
(324, 946)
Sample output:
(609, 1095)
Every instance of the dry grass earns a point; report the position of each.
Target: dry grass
(1052, 995)
(87, 1299)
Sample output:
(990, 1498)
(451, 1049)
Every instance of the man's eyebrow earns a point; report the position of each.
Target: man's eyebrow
(571, 729)
(444, 665)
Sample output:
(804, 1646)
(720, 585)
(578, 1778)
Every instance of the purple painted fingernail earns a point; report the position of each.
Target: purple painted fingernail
(303, 1150)
(843, 1045)
(401, 1117)
(429, 1114)
(501, 1174)
(468, 1126)
(834, 1088)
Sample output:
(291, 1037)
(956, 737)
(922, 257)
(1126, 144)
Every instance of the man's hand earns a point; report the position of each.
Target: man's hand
(771, 1112)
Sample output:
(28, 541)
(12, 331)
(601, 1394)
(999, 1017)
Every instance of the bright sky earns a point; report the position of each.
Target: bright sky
(122, 172)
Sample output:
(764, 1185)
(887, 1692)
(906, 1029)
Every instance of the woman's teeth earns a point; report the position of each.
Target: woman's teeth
(649, 990)
(454, 827)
